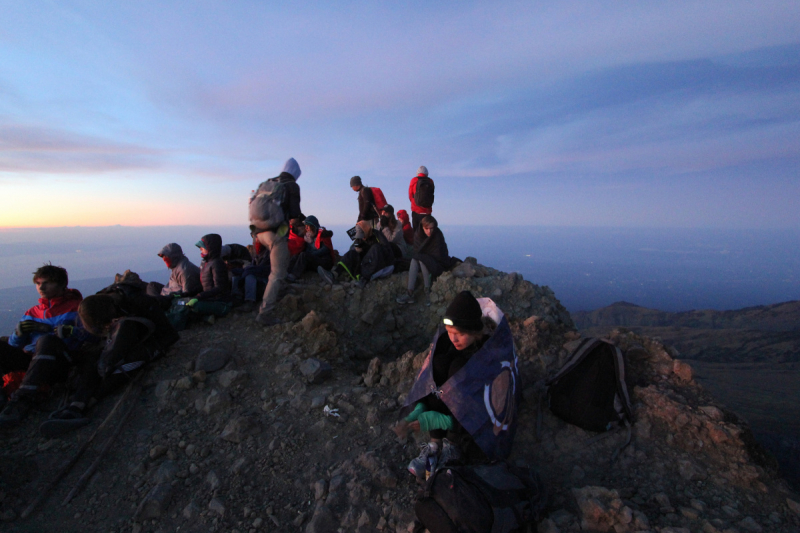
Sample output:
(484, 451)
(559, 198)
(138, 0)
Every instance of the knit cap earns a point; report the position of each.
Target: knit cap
(464, 312)
(355, 181)
(422, 171)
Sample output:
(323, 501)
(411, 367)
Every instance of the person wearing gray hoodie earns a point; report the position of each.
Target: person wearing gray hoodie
(184, 277)
(275, 240)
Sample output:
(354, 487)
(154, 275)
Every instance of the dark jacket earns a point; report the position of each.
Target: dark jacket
(431, 251)
(291, 201)
(213, 272)
(366, 204)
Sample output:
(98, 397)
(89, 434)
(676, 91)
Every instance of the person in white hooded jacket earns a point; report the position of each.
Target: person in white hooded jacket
(184, 277)
(276, 242)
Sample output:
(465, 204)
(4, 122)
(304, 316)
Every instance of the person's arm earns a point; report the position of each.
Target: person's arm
(412, 188)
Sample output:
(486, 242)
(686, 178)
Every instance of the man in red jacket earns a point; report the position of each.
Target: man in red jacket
(420, 192)
(34, 346)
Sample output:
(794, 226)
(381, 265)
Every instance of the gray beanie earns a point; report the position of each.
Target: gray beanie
(355, 181)
(422, 171)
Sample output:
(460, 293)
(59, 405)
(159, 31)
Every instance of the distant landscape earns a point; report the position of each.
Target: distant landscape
(748, 358)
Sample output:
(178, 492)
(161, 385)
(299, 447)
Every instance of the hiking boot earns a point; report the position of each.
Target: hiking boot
(405, 299)
(326, 275)
(14, 412)
(417, 465)
(267, 319)
(246, 307)
(450, 453)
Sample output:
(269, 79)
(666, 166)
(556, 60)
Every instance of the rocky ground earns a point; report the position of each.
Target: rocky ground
(244, 428)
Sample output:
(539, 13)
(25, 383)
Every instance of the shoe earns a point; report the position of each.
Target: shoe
(14, 412)
(326, 275)
(246, 307)
(63, 421)
(417, 465)
(450, 453)
(266, 319)
(427, 297)
(405, 299)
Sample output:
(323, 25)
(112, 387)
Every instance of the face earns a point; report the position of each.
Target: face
(460, 339)
(428, 230)
(48, 289)
(356, 188)
(167, 261)
(311, 230)
(203, 252)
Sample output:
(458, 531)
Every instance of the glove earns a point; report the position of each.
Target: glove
(31, 326)
(432, 420)
(64, 331)
(191, 302)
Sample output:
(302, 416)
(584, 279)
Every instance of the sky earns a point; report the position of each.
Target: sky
(625, 114)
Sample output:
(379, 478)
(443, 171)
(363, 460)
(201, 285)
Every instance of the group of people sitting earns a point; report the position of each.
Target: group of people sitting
(469, 384)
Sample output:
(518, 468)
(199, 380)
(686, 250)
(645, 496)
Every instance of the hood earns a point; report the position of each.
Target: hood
(69, 294)
(402, 215)
(173, 250)
(291, 167)
(213, 243)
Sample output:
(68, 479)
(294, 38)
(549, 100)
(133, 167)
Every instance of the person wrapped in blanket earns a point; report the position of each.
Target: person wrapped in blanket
(468, 388)
(130, 330)
(369, 258)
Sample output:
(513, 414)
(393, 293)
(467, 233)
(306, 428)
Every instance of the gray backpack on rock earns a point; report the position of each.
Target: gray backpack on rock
(266, 206)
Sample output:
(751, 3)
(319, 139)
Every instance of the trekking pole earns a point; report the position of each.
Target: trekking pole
(68, 466)
(96, 463)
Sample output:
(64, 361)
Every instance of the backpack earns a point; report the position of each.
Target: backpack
(266, 206)
(423, 194)
(379, 198)
(496, 498)
(377, 258)
(590, 391)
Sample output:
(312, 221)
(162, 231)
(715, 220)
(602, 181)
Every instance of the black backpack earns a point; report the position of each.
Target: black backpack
(496, 498)
(423, 195)
(590, 391)
(378, 257)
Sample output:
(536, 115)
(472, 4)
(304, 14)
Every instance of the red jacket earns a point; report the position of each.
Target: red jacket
(413, 189)
(296, 244)
(408, 231)
(324, 242)
(56, 312)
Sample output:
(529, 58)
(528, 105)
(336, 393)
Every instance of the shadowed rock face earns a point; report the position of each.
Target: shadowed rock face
(257, 445)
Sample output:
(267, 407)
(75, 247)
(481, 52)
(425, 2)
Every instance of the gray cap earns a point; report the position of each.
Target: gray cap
(422, 171)
(355, 181)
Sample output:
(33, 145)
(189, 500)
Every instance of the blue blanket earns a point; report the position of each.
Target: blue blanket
(484, 395)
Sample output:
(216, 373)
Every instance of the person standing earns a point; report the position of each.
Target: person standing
(272, 231)
(420, 192)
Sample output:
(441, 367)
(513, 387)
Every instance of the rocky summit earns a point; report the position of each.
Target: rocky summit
(243, 428)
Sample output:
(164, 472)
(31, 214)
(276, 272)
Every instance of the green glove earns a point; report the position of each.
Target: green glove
(413, 415)
(64, 331)
(191, 302)
(31, 326)
(432, 420)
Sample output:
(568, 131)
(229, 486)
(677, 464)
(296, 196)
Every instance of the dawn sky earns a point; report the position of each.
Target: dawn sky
(673, 114)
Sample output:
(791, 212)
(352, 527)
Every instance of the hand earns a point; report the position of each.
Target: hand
(191, 302)
(31, 326)
(64, 331)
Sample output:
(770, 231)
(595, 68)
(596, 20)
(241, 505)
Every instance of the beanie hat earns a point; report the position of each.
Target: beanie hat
(422, 171)
(464, 313)
(355, 181)
(311, 220)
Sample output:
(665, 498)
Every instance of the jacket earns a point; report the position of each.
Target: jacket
(408, 231)
(61, 311)
(213, 272)
(289, 176)
(366, 204)
(296, 243)
(396, 237)
(412, 189)
(184, 277)
(431, 251)
(322, 244)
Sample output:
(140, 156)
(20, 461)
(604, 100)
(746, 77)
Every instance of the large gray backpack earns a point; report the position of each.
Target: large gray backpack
(266, 206)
